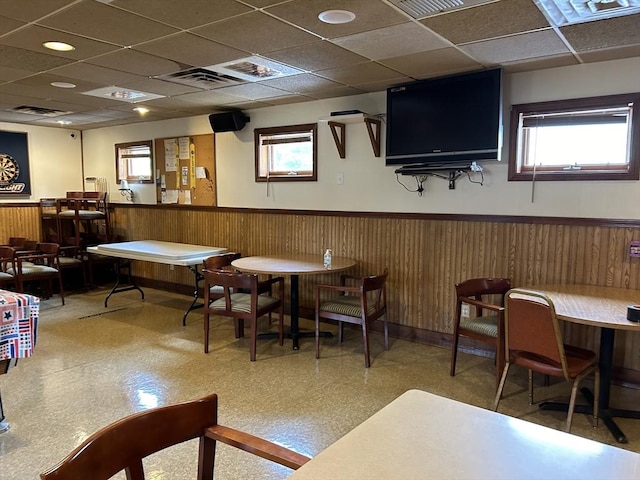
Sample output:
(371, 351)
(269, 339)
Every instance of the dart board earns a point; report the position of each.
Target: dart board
(9, 169)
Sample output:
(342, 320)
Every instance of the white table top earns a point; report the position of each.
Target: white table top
(293, 264)
(159, 252)
(423, 436)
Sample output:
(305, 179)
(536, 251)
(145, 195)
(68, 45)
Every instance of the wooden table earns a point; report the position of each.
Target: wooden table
(18, 328)
(424, 436)
(293, 265)
(604, 307)
(170, 253)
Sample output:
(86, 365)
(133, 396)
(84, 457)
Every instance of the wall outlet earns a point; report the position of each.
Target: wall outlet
(340, 178)
(465, 310)
(172, 267)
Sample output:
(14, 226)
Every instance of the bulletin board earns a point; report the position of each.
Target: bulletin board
(186, 170)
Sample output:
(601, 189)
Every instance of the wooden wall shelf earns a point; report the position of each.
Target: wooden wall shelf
(337, 123)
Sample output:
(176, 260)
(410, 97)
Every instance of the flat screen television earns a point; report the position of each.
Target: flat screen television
(446, 120)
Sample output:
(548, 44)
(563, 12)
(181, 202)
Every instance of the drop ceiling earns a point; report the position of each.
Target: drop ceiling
(194, 57)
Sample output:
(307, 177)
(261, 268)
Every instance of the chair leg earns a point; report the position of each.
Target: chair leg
(318, 334)
(386, 334)
(206, 332)
(340, 332)
(503, 380)
(596, 398)
(572, 403)
(253, 339)
(530, 387)
(365, 340)
(280, 326)
(454, 353)
(61, 288)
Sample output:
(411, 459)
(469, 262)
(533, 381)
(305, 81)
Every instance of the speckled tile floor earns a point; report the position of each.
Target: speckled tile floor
(93, 365)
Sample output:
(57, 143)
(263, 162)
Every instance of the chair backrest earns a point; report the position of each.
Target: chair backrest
(378, 285)
(7, 257)
(123, 444)
(479, 287)
(17, 241)
(231, 282)
(531, 326)
(218, 262)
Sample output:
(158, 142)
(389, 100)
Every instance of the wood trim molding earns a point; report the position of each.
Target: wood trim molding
(592, 222)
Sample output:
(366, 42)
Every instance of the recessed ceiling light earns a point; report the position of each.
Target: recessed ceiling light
(63, 84)
(336, 16)
(141, 110)
(63, 122)
(58, 46)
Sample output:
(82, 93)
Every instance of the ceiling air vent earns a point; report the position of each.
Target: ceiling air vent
(201, 78)
(426, 8)
(254, 69)
(40, 111)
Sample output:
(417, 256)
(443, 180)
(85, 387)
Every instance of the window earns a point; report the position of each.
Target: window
(285, 154)
(594, 138)
(134, 162)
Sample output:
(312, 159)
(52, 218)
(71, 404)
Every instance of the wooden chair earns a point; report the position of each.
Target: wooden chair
(123, 444)
(533, 340)
(7, 263)
(219, 262)
(41, 265)
(359, 304)
(476, 292)
(71, 258)
(242, 300)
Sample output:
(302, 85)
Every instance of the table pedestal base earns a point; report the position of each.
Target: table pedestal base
(295, 336)
(607, 415)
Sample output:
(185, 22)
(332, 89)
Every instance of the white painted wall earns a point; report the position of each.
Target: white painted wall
(55, 161)
(368, 184)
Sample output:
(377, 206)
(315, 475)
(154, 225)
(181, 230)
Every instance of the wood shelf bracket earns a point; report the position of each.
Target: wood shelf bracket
(339, 137)
(338, 130)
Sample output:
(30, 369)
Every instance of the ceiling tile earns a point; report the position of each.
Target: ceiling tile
(8, 74)
(369, 15)
(432, 63)
(613, 32)
(191, 50)
(607, 54)
(517, 47)
(252, 91)
(403, 39)
(9, 24)
(160, 87)
(115, 26)
(342, 91)
(256, 33)
(32, 9)
(487, 21)
(21, 59)
(359, 73)
(302, 83)
(140, 63)
(181, 15)
(541, 63)
(95, 73)
(33, 36)
(316, 56)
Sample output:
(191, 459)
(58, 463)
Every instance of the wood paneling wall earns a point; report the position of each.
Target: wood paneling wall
(425, 255)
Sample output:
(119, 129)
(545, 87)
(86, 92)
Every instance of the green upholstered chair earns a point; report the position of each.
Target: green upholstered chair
(486, 296)
(362, 300)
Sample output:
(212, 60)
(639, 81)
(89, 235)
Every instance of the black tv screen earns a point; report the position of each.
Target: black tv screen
(454, 119)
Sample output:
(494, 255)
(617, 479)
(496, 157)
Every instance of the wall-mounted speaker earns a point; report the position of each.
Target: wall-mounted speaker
(228, 121)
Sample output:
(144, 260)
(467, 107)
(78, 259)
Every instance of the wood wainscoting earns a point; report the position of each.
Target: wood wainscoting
(425, 254)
